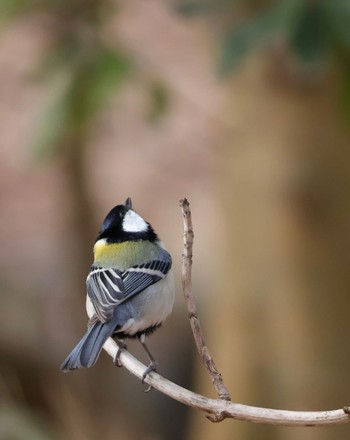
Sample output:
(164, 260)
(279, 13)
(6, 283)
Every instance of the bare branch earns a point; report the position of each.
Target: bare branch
(217, 409)
(202, 348)
(220, 409)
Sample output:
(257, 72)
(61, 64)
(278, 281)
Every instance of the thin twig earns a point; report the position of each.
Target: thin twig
(221, 409)
(191, 305)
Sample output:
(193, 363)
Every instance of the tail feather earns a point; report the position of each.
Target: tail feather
(88, 349)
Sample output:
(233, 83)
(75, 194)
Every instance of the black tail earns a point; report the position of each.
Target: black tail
(87, 351)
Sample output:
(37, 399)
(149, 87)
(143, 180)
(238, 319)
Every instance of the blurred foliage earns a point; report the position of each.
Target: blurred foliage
(311, 29)
(159, 101)
(345, 93)
(190, 8)
(88, 79)
(85, 67)
(257, 32)
(315, 32)
(85, 10)
(310, 38)
(11, 8)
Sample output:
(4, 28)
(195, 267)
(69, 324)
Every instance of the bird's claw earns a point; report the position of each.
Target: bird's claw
(151, 367)
(121, 346)
(148, 389)
(116, 360)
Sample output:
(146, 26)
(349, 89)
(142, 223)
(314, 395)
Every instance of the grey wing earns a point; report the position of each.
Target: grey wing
(108, 288)
(105, 288)
(138, 278)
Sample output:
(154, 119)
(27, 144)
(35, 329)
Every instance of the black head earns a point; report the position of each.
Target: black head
(122, 224)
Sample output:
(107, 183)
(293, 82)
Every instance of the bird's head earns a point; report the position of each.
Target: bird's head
(123, 223)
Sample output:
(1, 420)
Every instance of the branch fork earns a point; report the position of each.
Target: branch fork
(216, 409)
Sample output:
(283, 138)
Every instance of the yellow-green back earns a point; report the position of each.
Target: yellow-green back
(125, 254)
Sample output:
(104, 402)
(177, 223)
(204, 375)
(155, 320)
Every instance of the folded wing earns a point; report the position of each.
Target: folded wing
(109, 287)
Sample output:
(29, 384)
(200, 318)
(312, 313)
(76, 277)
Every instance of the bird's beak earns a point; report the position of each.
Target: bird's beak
(128, 203)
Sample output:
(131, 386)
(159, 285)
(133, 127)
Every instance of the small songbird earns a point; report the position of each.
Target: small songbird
(130, 289)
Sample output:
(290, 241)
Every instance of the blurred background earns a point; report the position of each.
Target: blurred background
(241, 106)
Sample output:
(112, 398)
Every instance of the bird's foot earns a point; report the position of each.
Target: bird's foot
(121, 346)
(151, 367)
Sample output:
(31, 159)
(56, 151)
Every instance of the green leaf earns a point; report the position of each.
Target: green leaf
(311, 37)
(64, 54)
(94, 80)
(83, 92)
(275, 22)
(239, 43)
(12, 8)
(192, 7)
(53, 124)
(107, 73)
(159, 101)
(339, 19)
(345, 94)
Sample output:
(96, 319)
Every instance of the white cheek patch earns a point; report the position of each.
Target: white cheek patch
(134, 223)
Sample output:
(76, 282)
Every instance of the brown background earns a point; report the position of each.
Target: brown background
(263, 156)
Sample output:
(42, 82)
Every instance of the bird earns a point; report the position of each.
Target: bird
(130, 287)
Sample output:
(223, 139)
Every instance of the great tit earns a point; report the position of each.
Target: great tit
(130, 289)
